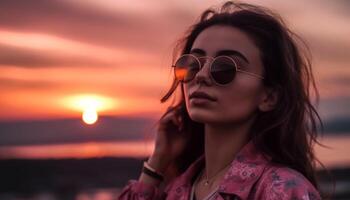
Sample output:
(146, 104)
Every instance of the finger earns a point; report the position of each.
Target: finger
(167, 117)
(172, 116)
(175, 120)
(180, 118)
(169, 109)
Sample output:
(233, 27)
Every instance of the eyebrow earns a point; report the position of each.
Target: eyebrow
(225, 52)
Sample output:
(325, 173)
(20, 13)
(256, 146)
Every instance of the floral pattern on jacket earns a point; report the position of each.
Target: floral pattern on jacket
(250, 176)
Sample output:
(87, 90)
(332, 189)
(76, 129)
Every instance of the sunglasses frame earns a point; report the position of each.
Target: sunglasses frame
(210, 67)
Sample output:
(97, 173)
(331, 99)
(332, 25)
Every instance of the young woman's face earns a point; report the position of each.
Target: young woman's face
(240, 99)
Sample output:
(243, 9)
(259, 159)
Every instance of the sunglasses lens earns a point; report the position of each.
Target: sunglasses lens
(223, 70)
(186, 68)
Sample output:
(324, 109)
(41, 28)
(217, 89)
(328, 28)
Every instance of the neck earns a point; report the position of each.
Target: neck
(222, 143)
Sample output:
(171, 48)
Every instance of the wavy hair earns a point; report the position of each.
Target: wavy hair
(288, 132)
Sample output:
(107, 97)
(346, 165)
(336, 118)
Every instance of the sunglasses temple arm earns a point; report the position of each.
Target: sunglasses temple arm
(249, 73)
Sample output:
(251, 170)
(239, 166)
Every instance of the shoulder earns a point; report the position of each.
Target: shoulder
(279, 182)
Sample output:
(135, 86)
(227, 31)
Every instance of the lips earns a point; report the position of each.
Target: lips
(204, 95)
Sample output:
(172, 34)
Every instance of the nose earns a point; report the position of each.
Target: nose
(203, 76)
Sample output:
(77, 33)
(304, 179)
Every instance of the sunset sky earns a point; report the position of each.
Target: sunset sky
(57, 55)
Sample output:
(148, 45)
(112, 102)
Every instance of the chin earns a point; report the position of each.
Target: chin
(202, 117)
(209, 117)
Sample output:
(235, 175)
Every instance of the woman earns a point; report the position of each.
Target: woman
(244, 126)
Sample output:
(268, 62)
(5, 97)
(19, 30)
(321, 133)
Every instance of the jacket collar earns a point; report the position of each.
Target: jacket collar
(244, 171)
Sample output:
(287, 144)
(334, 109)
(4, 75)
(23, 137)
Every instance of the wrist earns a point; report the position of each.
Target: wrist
(152, 172)
(157, 163)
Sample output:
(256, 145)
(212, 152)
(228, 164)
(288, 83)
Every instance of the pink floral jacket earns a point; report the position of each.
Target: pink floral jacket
(250, 176)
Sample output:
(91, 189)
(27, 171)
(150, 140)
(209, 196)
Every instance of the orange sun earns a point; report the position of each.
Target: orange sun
(90, 116)
(90, 105)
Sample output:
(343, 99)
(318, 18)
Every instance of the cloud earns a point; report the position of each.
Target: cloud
(14, 84)
(336, 50)
(37, 58)
(340, 80)
(41, 50)
(86, 24)
(153, 28)
(334, 108)
(68, 37)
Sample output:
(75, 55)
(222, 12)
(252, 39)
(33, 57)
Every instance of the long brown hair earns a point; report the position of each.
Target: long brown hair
(288, 132)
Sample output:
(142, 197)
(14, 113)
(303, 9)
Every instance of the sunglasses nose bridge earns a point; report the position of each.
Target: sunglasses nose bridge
(204, 70)
(205, 60)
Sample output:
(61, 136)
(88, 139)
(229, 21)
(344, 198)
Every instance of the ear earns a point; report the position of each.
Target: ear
(269, 99)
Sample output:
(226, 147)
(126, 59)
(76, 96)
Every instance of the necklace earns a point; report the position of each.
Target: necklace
(206, 183)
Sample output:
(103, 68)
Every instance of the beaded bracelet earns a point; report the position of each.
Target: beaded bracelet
(151, 172)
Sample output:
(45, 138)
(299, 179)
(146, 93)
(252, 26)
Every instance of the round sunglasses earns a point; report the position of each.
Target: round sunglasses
(222, 68)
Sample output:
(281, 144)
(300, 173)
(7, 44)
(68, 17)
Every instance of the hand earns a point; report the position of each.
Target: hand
(170, 141)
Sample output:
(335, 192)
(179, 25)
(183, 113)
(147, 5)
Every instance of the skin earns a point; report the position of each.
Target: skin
(227, 120)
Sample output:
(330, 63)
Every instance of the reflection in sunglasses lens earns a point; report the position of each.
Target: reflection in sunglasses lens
(223, 70)
(186, 68)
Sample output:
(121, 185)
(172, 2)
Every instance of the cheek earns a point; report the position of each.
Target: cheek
(240, 100)
(237, 102)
